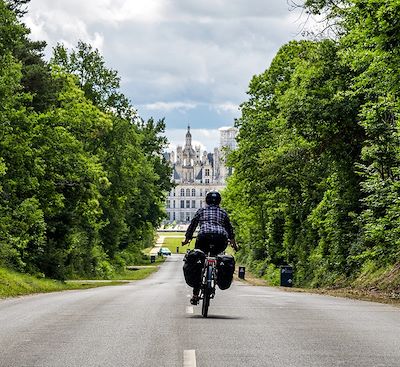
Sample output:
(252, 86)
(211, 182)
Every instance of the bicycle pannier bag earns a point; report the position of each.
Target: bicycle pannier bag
(225, 270)
(194, 261)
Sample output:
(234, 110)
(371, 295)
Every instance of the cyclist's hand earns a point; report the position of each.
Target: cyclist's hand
(234, 245)
(185, 241)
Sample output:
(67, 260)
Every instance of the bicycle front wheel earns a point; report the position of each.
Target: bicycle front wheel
(207, 292)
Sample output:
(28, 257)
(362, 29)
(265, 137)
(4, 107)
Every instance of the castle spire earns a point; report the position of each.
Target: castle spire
(188, 138)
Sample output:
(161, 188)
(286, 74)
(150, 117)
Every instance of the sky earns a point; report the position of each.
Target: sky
(189, 61)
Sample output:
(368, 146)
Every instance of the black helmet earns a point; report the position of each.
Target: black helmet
(213, 197)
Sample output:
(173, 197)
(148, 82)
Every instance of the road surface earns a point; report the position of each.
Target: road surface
(151, 323)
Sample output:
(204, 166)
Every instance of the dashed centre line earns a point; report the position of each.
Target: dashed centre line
(189, 358)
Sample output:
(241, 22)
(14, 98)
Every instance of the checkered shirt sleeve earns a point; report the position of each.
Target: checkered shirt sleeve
(211, 219)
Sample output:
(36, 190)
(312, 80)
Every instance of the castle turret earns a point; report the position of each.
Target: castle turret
(188, 144)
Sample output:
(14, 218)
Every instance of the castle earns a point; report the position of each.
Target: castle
(195, 173)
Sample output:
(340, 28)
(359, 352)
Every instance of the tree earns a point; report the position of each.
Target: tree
(18, 6)
(298, 142)
(99, 83)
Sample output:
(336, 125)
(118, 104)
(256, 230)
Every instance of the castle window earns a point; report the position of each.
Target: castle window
(182, 192)
(207, 171)
(193, 192)
(187, 192)
(207, 181)
(174, 203)
(168, 204)
(187, 203)
(182, 203)
(193, 203)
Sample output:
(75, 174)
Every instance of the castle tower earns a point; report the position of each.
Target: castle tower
(188, 144)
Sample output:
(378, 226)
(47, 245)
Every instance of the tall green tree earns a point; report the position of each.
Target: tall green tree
(82, 178)
(100, 84)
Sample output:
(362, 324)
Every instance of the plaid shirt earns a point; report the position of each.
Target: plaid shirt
(212, 219)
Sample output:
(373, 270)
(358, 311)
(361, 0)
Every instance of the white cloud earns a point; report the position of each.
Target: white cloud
(182, 56)
(144, 11)
(207, 139)
(169, 106)
(227, 107)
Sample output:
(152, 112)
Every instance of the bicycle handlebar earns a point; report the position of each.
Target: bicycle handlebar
(183, 243)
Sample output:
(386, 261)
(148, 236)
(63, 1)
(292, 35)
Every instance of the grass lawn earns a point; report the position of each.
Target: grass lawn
(170, 234)
(15, 284)
(136, 274)
(173, 243)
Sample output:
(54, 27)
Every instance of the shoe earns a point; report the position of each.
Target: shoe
(194, 300)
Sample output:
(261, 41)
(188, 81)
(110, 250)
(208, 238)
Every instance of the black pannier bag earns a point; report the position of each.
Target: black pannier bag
(225, 270)
(194, 261)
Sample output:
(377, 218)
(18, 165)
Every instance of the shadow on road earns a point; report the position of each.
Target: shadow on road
(218, 317)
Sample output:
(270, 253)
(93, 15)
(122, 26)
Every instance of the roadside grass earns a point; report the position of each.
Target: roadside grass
(171, 234)
(173, 243)
(381, 286)
(14, 284)
(136, 273)
(159, 259)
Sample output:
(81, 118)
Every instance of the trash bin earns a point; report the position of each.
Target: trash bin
(242, 272)
(286, 276)
(152, 258)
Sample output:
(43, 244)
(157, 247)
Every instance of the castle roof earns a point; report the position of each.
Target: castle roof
(200, 175)
(176, 174)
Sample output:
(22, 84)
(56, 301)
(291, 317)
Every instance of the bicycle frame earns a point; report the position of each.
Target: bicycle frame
(209, 280)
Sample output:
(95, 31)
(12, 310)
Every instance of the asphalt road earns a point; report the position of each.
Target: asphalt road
(150, 323)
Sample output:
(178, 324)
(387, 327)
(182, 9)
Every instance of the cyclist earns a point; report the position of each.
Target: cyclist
(215, 227)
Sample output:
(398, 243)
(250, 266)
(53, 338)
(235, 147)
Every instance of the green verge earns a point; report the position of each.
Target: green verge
(14, 284)
(171, 234)
(372, 284)
(135, 273)
(172, 243)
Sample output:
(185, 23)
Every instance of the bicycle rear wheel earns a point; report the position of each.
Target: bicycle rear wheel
(207, 293)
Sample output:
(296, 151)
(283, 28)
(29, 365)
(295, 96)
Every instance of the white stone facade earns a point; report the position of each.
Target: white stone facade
(185, 199)
(195, 173)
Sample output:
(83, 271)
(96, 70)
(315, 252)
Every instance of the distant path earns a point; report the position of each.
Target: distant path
(150, 323)
(159, 242)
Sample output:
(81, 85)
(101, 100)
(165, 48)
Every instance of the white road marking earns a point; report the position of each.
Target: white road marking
(189, 309)
(189, 358)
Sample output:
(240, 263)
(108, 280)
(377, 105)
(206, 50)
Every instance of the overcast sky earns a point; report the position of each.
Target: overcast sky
(189, 61)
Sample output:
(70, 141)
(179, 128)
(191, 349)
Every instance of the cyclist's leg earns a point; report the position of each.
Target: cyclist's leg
(202, 243)
(220, 243)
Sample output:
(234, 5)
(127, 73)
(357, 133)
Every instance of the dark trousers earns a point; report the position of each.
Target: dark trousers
(213, 243)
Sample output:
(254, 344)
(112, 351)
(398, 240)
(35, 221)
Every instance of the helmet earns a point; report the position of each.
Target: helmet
(213, 197)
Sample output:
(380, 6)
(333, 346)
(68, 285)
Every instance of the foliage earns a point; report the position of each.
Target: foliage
(100, 84)
(316, 179)
(82, 178)
(14, 284)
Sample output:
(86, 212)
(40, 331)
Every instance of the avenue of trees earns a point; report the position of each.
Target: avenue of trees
(316, 180)
(82, 178)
